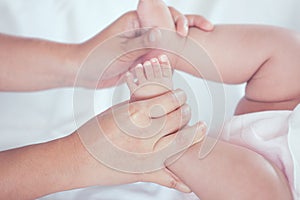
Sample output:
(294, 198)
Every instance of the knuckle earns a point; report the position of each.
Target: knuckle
(130, 17)
(182, 116)
(182, 18)
(172, 183)
(183, 140)
(138, 110)
(179, 119)
(131, 13)
(172, 9)
(186, 114)
(133, 108)
(198, 16)
(173, 99)
(142, 105)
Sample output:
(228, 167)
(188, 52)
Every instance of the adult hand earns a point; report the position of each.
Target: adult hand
(56, 65)
(131, 141)
(64, 164)
(103, 60)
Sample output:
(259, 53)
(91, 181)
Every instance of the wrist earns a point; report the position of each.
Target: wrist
(69, 62)
(77, 55)
(70, 160)
(89, 171)
(84, 167)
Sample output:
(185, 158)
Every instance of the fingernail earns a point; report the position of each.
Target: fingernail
(201, 132)
(184, 188)
(139, 66)
(208, 25)
(163, 58)
(202, 126)
(186, 110)
(154, 60)
(186, 30)
(147, 63)
(180, 96)
(186, 26)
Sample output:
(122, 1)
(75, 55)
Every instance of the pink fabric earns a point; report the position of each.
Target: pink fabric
(268, 134)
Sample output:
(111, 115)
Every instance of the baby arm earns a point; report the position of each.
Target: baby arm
(265, 57)
(230, 172)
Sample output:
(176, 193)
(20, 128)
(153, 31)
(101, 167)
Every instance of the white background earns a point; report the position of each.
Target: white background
(28, 118)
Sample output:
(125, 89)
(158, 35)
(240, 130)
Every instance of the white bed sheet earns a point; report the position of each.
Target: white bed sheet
(28, 118)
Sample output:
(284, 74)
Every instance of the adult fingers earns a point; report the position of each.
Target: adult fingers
(154, 116)
(166, 178)
(166, 103)
(139, 44)
(173, 144)
(181, 22)
(173, 122)
(148, 38)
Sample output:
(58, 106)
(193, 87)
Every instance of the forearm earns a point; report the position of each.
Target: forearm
(230, 172)
(36, 170)
(32, 64)
(64, 164)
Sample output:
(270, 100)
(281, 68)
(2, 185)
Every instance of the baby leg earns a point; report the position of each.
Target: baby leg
(155, 13)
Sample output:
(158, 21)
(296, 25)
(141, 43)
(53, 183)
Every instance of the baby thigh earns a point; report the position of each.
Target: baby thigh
(231, 172)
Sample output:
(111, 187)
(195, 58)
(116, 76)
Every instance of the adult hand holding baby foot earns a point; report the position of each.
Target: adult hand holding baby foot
(127, 41)
(136, 139)
(64, 163)
(169, 18)
(132, 143)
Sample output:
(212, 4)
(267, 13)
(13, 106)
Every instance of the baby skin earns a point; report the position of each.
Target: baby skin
(231, 171)
(216, 176)
(154, 78)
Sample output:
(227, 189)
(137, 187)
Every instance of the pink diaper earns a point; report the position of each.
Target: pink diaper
(273, 134)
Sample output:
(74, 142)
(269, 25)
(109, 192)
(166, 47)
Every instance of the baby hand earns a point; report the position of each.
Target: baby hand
(155, 13)
(183, 22)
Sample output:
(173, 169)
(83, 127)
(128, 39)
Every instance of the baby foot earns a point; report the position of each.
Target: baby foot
(154, 78)
(155, 13)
